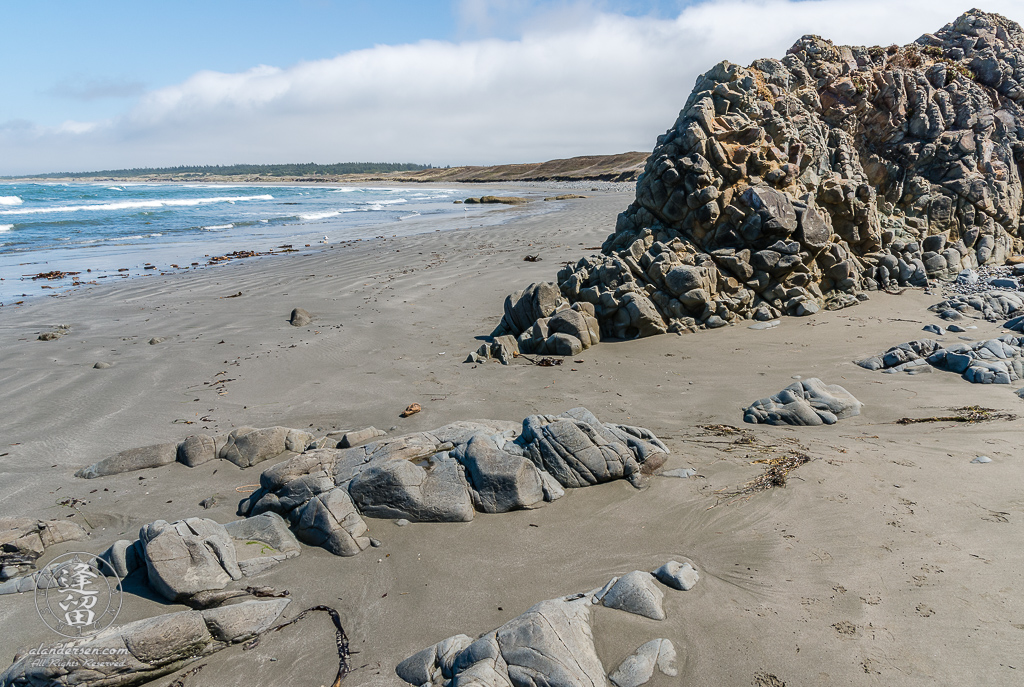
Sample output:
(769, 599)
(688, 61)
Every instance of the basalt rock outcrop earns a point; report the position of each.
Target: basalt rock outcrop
(794, 184)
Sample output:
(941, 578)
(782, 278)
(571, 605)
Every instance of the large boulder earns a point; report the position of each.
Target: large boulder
(398, 488)
(331, 520)
(188, 556)
(499, 480)
(132, 459)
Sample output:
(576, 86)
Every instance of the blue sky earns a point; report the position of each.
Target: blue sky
(116, 84)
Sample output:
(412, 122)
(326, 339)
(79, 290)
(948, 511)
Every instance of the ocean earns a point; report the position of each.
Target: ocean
(119, 229)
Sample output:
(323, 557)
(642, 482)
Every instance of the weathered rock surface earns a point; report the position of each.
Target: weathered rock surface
(809, 402)
(995, 361)
(793, 184)
(681, 576)
(147, 648)
(448, 474)
(23, 540)
(551, 644)
(636, 592)
(638, 668)
(188, 556)
(261, 542)
(244, 447)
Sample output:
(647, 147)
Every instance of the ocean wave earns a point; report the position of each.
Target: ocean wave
(324, 215)
(133, 205)
(10, 200)
(6, 227)
(215, 227)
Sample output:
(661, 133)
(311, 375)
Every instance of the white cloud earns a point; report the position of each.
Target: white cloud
(602, 83)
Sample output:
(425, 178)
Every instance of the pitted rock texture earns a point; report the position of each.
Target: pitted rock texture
(792, 184)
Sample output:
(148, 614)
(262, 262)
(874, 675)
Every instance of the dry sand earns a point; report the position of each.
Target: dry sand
(889, 559)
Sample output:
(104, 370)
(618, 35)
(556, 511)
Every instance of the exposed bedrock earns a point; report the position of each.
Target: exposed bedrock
(448, 474)
(793, 184)
(551, 644)
(143, 650)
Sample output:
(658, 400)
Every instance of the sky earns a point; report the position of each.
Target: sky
(117, 84)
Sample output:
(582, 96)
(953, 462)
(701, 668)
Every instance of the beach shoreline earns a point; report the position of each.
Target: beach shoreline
(888, 558)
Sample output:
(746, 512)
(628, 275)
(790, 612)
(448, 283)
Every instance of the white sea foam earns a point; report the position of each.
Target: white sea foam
(6, 227)
(313, 216)
(10, 200)
(215, 227)
(392, 201)
(132, 205)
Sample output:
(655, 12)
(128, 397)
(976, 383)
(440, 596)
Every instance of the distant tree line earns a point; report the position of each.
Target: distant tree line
(292, 170)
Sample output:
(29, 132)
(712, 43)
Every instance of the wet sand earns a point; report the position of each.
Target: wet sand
(888, 559)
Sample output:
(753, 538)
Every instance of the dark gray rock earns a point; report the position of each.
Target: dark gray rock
(299, 318)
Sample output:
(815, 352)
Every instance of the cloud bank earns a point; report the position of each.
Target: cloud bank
(602, 83)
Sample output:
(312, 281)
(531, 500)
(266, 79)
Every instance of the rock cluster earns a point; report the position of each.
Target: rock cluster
(552, 643)
(808, 403)
(794, 184)
(142, 650)
(244, 447)
(23, 541)
(448, 474)
(996, 361)
(991, 305)
(187, 558)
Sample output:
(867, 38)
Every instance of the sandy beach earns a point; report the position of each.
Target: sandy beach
(888, 559)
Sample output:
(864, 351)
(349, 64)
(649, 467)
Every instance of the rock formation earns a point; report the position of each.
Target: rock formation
(143, 650)
(552, 643)
(996, 361)
(793, 184)
(448, 474)
(23, 541)
(806, 403)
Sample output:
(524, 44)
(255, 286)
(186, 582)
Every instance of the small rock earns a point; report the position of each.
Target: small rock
(155, 340)
(982, 459)
(955, 328)
(935, 329)
(682, 576)
(680, 472)
(102, 366)
(714, 322)
(764, 325)
(636, 592)
(208, 503)
(401, 522)
(638, 668)
(299, 318)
